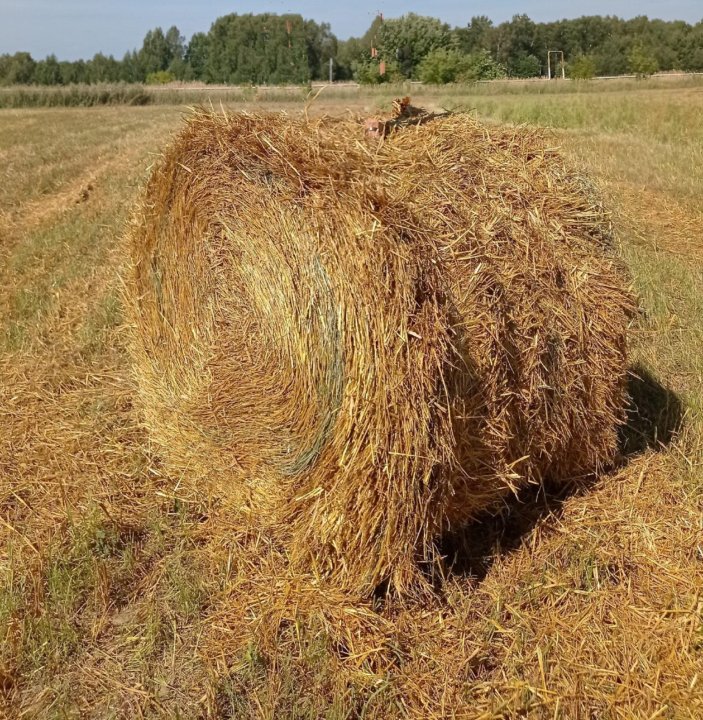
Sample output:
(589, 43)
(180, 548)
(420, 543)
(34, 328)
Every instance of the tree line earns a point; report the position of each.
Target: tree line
(288, 49)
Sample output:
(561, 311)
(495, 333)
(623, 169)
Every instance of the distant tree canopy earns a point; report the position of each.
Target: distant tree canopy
(519, 47)
(280, 49)
(266, 48)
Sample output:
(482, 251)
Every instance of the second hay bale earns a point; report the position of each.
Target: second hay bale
(366, 347)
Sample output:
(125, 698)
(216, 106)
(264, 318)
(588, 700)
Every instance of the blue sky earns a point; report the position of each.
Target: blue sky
(79, 28)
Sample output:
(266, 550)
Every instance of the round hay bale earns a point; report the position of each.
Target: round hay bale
(365, 346)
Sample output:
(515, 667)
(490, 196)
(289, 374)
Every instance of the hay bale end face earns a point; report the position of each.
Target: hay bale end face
(366, 345)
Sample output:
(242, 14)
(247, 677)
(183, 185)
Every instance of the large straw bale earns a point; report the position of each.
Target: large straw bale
(367, 344)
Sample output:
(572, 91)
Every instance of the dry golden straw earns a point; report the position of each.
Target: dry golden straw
(365, 344)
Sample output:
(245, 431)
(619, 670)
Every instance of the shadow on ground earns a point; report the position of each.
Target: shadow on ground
(654, 416)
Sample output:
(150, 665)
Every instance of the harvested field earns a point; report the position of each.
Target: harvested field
(126, 592)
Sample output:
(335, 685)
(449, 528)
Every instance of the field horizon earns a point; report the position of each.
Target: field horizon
(199, 93)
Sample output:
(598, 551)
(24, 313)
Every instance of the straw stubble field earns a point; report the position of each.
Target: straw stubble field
(122, 595)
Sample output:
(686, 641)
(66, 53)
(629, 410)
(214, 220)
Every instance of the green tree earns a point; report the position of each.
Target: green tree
(155, 53)
(368, 72)
(668, 40)
(196, 57)
(525, 66)
(641, 61)
(515, 42)
(321, 45)
(72, 72)
(480, 65)
(131, 69)
(611, 56)
(103, 69)
(442, 65)
(447, 65)
(178, 69)
(261, 49)
(691, 49)
(48, 71)
(17, 69)
(583, 67)
(477, 35)
(349, 53)
(409, 38)
(354, 57)
(175, 44)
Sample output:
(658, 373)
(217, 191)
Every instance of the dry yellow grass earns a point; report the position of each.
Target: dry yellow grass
(120, 597)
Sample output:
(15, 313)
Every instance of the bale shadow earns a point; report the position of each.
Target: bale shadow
(654, 416)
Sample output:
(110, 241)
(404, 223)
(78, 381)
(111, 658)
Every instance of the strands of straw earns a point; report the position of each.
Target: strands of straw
(363, 345)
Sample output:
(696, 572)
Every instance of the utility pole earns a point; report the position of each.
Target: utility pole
(331, 71)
